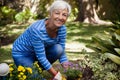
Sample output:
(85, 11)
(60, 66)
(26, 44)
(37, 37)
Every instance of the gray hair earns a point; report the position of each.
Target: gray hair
(60, 4)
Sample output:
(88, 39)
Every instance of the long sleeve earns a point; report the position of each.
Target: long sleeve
(62, 41)
(39, 48)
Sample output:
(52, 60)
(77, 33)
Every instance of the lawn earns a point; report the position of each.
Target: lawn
(78, 35)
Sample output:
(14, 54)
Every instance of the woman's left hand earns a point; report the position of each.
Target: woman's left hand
(66, 65)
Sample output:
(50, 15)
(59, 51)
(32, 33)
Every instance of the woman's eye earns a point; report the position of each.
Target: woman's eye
(65, 15)
(56, 13)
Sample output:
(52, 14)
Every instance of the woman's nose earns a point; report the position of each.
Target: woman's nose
(60, 16)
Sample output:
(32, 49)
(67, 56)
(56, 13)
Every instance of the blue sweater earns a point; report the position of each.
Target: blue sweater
(35, 39)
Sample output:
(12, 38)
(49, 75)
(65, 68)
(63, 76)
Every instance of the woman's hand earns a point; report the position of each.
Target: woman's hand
(66, 65)
(56, 74)
(59, 76)
(52, 71)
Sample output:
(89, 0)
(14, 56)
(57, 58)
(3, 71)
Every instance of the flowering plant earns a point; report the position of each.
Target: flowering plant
(25, 73)
(73, 72)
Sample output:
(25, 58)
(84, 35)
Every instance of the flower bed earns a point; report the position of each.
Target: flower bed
(74, 72)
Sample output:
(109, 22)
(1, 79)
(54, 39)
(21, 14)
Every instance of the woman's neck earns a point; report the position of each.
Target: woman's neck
(51, 30)
(50, 26)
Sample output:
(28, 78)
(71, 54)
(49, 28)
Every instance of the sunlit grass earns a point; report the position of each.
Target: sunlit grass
(82, 33)
(75, 56)
(5, 55)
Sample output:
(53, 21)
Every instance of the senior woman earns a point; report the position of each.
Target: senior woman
(44, 40)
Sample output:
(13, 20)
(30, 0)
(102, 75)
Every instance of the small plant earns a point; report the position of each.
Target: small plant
(25, 73)
(73, 72)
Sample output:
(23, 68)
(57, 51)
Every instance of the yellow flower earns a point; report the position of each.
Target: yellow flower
(11, 69)
(21, 68)
(36, 64)
(11, 64)
(24, 77)
(19, 76)
(29, 70)
(21, 73)
(40, 70)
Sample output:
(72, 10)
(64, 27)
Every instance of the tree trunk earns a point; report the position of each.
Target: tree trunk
(80, 16)
(87, 13)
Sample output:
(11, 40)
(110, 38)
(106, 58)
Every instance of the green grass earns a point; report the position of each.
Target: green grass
(76, 32)
(5, 55)
(82, 33)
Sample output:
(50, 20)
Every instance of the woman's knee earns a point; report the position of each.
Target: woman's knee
(55, 50)
(58, 49)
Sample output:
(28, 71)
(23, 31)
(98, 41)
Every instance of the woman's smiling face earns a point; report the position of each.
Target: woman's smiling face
(58, 17)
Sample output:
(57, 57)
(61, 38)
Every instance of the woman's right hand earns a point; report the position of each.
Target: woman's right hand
(52, 71)
(56, 74)
(59, 76)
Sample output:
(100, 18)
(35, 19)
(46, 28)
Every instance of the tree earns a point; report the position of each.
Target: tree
(87, 12)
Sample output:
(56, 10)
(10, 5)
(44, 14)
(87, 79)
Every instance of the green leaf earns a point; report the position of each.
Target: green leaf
(114, 58)
(19, 17)
(117, 36)
(111, 42)
(117, 50)
(115, 41)
(104, 45)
